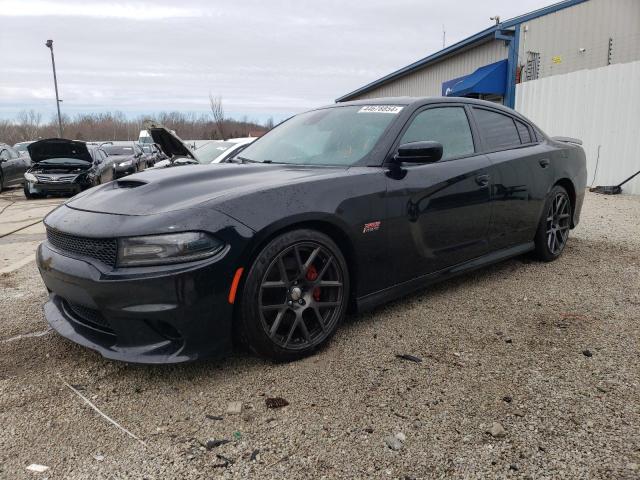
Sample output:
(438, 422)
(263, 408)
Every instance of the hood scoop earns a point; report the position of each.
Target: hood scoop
(129, 183)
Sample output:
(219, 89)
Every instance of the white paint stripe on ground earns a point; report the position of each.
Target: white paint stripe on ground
(27, 335)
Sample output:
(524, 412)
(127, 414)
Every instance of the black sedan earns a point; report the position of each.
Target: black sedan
(12, 166)
(61, 166)
(125, 158)
(340, 208)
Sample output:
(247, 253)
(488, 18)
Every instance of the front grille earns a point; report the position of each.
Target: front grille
(102, 249)
(56, 178)
(89, 317)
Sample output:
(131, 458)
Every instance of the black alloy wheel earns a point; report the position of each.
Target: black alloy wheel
(558, 222)
(295, 295)
(553, 230)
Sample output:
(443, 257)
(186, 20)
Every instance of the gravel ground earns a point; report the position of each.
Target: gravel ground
(549, 351)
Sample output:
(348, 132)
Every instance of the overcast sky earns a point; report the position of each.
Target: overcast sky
(263, 58)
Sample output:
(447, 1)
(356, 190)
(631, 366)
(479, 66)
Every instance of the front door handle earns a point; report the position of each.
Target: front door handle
(482, 180)
(544, 163)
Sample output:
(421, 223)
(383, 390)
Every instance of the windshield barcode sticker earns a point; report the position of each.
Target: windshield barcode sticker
(394, 109)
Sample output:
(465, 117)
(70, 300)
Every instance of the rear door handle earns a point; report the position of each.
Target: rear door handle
(482, 180)
(544, 163)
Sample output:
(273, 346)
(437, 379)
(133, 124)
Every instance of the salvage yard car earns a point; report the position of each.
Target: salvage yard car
(220, 151)
(61, 166)
(130, 159)
(342, 207)
(12, 166)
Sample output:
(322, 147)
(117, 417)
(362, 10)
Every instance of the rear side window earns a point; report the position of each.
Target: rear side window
(523, 131)
(447, 125)
(498, 131)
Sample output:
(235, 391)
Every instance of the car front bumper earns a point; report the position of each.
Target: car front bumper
(155, 316)
(43, 188)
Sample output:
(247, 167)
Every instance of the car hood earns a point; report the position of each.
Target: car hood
(58, 148)
(169, 143)
(165, 190)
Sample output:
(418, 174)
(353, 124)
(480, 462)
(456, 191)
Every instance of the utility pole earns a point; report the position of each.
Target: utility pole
(49, 45)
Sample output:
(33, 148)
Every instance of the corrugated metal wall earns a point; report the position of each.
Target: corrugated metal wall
(428, 81)
(559, 36)
(599, 106)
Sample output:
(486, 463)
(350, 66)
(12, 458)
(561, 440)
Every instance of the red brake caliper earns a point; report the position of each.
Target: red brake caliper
(311, 276)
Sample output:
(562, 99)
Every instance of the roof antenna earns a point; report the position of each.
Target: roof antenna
(496, 18)
(444, 36)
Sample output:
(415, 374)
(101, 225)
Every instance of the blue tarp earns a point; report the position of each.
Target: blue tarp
(490, 79)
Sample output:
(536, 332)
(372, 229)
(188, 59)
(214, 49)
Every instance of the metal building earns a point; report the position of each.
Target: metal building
(561, 38)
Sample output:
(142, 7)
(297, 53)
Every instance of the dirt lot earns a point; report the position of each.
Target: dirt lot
(550, 351)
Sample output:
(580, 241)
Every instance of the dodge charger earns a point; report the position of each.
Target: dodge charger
(337, 209)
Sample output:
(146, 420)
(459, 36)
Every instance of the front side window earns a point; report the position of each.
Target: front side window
(446, 125)
(338, 136)
(498, 130)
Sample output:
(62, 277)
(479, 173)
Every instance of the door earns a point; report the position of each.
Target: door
(105, 166)
(439, 212)
(12, 167)
(521, 176)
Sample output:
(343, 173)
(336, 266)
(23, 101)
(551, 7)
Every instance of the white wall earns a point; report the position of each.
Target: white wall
(563, 34)
(599, 106)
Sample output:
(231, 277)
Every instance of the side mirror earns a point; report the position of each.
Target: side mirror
(419, 152)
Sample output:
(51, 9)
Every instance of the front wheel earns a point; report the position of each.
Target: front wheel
(553, 229)
(295, 296)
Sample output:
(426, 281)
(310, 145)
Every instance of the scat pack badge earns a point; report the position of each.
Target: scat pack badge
(371, 227)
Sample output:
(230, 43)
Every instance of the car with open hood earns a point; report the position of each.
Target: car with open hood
(339, 208)
(176, 151)
(61, 166)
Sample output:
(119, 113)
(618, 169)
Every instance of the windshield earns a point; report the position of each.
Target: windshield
(212, 150)
(332, 136)
(118, 150)
(21, 147)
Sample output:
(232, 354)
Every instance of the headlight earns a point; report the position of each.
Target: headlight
(166, 249)
(128, 163)
(30, 177)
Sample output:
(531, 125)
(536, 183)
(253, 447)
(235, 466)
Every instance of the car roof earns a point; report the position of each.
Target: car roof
(419, 101)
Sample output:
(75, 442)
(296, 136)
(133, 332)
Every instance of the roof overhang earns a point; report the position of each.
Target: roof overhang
(490, 79)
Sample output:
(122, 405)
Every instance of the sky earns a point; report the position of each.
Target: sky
(263, 58)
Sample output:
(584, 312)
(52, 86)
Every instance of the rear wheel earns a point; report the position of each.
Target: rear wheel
(553, 229)
(295, 296)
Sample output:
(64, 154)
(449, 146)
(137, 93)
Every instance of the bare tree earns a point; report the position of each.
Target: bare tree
(218, 114)
(29, 123)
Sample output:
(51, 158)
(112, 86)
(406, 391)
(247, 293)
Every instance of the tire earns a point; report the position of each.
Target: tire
(294, 296)
(555, 223)
(1, 181)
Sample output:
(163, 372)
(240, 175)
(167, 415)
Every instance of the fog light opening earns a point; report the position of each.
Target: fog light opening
(165, 329)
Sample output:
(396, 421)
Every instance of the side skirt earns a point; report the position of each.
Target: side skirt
(372, 300)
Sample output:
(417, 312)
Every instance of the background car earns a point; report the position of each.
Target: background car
(342, 207)
(219, 151)
(12, 166)
(61, 166)
(153, 153)
(21, 147)
(126, 158)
